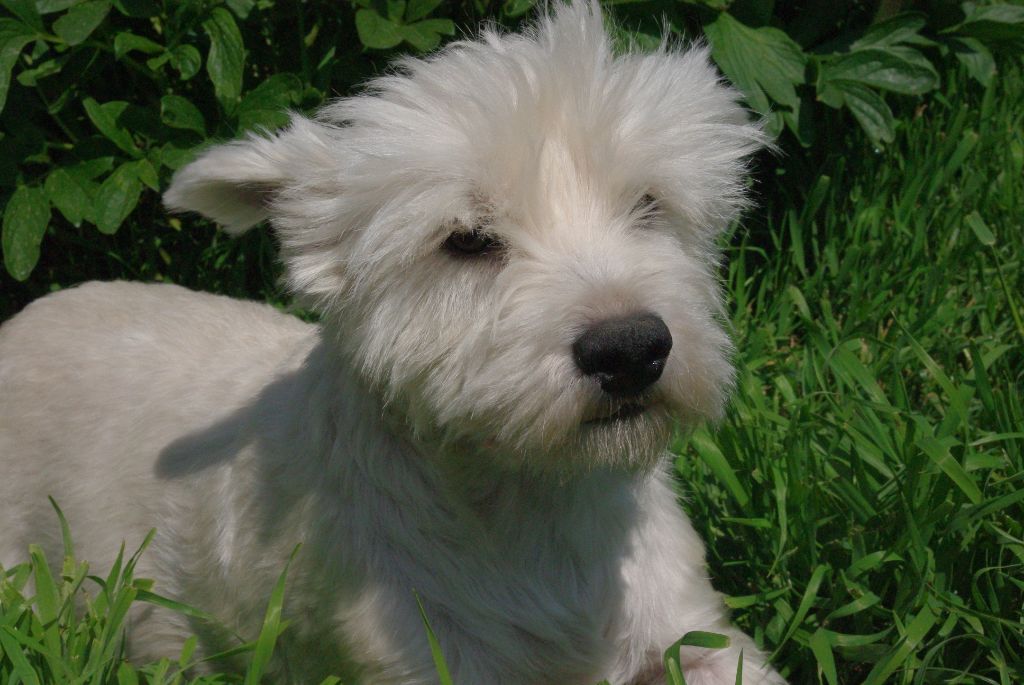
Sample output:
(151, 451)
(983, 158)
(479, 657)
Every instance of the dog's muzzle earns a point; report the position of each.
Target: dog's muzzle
(626, 355)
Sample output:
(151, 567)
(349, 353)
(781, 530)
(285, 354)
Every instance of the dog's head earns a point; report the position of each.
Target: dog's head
(513, 240)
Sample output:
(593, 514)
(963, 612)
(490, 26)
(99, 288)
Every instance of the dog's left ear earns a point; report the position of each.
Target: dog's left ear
(234, 183)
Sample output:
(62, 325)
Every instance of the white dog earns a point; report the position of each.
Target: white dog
(512, 247)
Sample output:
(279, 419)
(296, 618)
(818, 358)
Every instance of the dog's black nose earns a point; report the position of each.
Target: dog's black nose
(625, 354)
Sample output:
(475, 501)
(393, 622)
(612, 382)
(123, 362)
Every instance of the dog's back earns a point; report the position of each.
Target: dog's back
(97, 381)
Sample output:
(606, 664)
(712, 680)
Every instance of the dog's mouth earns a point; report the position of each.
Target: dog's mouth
(619, 412)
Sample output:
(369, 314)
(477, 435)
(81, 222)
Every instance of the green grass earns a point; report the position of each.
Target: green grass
(864, 496)
(864, 499)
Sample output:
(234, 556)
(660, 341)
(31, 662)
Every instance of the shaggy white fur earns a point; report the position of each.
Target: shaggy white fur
(435, 433)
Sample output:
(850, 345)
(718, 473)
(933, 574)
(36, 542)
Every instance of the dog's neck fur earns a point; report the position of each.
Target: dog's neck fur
(471, 519)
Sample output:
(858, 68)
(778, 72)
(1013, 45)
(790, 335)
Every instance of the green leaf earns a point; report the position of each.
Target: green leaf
(899, 69)
(266, 105)
(981, 229)
(81, 20)
(178, 112)
(375, 31)
(25, 220)
(271, 629)
(517, 8)
(937, 450)
(440, 665)
(903, 28)
(241, 8)
(695, 638)
(14, 35)
(870, 111)
(186, 60)
(126, 42)
(821, 647)
(976, 58)
(51, 6)
(704, 639)
(426, 35)
(140, 9)
(105, 118)
(992, 23)
(711, 455)
(69, 196)
(764, 63)
(395, 10)
(226, 58)
(30, 77)
(25, 10)
(117, 197)
(417, 9)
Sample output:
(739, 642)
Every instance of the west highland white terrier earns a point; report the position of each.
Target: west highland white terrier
(512, 246)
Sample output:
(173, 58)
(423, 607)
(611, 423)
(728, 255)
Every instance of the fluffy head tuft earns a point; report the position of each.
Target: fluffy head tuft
(605, 181)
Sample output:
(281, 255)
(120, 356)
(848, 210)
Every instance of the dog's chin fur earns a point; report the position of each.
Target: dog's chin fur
(634, 443)
(435, 432)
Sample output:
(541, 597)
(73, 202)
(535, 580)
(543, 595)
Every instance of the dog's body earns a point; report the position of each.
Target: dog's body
(479, 419)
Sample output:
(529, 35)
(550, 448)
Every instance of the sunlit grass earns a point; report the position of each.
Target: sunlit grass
(864, 496)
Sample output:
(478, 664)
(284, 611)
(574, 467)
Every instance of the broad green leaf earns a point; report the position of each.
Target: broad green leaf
(992, 23)
(426, 35)
(14, 35)
(417, 9)
(517, 8)
(105, 118)
(976, 58)
(178, 112)
(764, 63)
(51, 6)
(174, 157)
(899, 69)
(186, 60)
(81, 20)
(375, 31)
(25, 10)
(139, 9)
(30, 77)
(117, 197)
(241, 8)
(903, 28)
(25, 220)
(266, 105)
(147, 174)
(126, 42)
(69, 196)
(870, 111)
(395, 10)
(226, 58)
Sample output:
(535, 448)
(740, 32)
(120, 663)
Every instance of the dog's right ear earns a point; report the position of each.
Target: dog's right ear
(234, 183)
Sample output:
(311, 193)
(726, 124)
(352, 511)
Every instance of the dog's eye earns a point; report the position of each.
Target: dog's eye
(471, 243)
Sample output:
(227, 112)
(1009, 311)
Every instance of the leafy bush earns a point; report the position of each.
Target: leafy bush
(102, 100)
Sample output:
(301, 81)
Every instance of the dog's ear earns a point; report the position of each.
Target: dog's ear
(234, 183)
